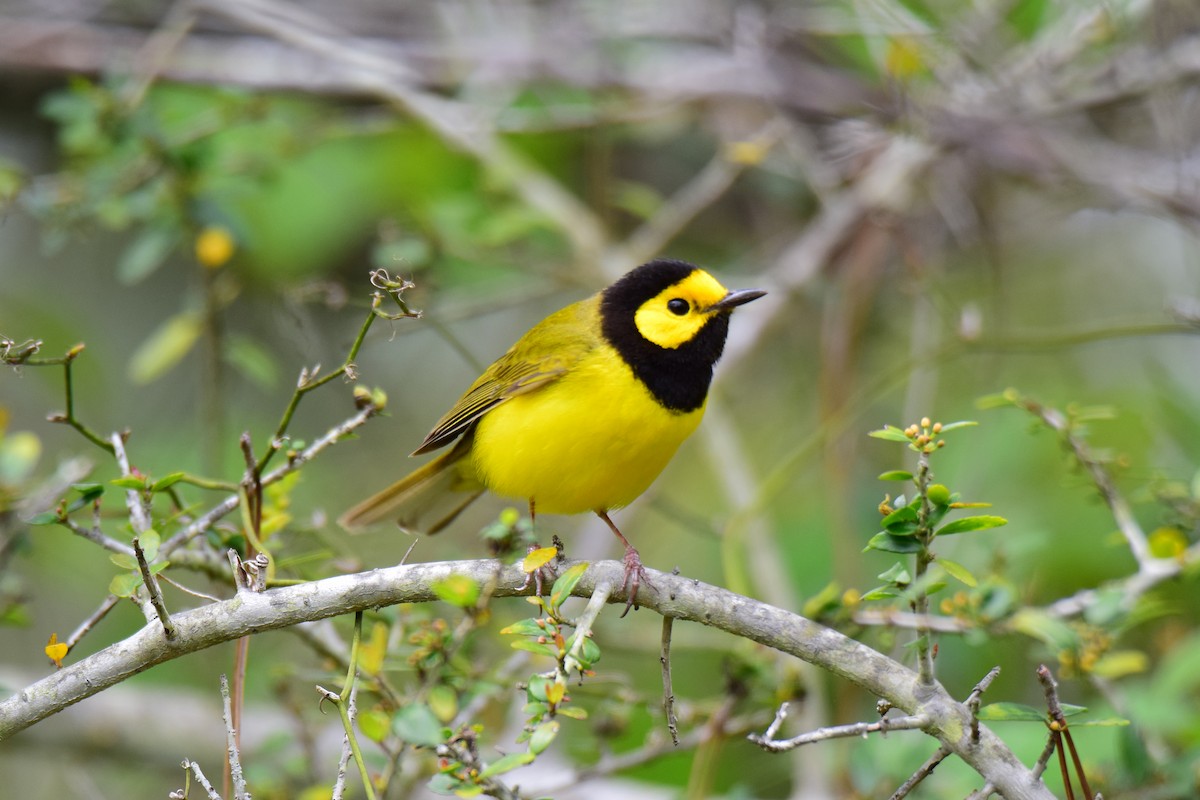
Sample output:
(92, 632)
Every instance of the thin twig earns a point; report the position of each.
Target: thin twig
(668, 693)
(972, 701)
(767, 741)
(231, 737)
(194, 768)
(97, 536)
(133, 500)
(922, 773)
(106, 605)
(151, 584)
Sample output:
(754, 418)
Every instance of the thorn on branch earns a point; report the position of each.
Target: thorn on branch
(249, 575)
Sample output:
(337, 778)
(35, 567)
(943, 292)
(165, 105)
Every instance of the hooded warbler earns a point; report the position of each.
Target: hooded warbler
(582, 413)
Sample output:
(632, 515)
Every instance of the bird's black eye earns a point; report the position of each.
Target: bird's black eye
(678, 306)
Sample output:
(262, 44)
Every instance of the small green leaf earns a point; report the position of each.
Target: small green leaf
(129, 482)
(166, 481)
(896, 475)
(146, 254)
(457, 590)
(507, 764)
(574, 712)
(149, 540)
(957, 571)
(374, 724)
(123, 561)
(883, 593)
(44, 518)
(542, 736)
(890, 433)
(566, 583)
(125, 584)
(897, 574)
(165, 348)
(1121, 663)
(971, 524)
(443, 702)
(417, 725)
(524, 627)
(903, 521)
(536, 647)
(1069, 710)
(1109, 722)
(250, 359)
(1010, 712)
(893, 544)
(1040, 625)
(950, 426)
(88, 491)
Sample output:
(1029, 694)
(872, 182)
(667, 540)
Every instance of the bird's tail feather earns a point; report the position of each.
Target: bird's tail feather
(426, 500)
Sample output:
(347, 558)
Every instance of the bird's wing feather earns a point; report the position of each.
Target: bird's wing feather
(540, 357)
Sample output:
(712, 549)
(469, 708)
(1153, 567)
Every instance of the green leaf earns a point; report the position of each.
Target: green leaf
(897, 573)
(524, 627)
(88, 491)
(146, 254)
(890, 433)
(883, 593)
(1109, 722)
(254, 362)
(123, 561)
(957, 571)
(416, 724)
(129, 482)
(574, 712)
(1040, 625)
(542, 736)
(443, 702)
(951, 426)
(166, 481)
(44, 518)
(1069, 710)
(971, 524)
(896, 475)
(150, 540)
(1010, 712)
(165, 348)
(903, 521)
(507, 764)
(457, 590)
(891, 543)
(374, 724)
(536, 647)
(125, 584)
(566, 583)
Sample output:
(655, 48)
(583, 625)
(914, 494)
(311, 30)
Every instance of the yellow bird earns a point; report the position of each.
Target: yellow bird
(582, 413)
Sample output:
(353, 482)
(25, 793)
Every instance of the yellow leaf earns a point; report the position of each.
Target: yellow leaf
(56, 651)
(538, 558)
(372, 651)
(555, 693)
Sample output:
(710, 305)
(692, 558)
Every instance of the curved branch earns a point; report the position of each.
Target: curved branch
(676, 596)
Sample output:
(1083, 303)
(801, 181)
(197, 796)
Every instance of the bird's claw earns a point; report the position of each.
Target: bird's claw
(635, 576)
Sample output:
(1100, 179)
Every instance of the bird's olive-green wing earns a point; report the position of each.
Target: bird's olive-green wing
(543, 355)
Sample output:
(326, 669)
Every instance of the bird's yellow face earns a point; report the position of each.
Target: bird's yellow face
(675, 315)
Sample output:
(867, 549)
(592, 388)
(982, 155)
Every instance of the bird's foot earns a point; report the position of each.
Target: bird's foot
(635, 576)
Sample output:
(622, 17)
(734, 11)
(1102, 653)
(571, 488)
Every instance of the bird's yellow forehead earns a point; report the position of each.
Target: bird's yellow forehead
(699, 288)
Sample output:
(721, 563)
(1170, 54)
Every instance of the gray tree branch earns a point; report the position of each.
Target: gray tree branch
(682, 598)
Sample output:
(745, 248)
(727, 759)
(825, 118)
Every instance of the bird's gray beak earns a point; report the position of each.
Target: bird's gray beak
(735, 299)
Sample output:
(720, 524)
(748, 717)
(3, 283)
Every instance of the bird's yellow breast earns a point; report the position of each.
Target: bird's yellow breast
(594, 439)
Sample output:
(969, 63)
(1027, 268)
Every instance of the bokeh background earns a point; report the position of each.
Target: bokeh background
(945, 201)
